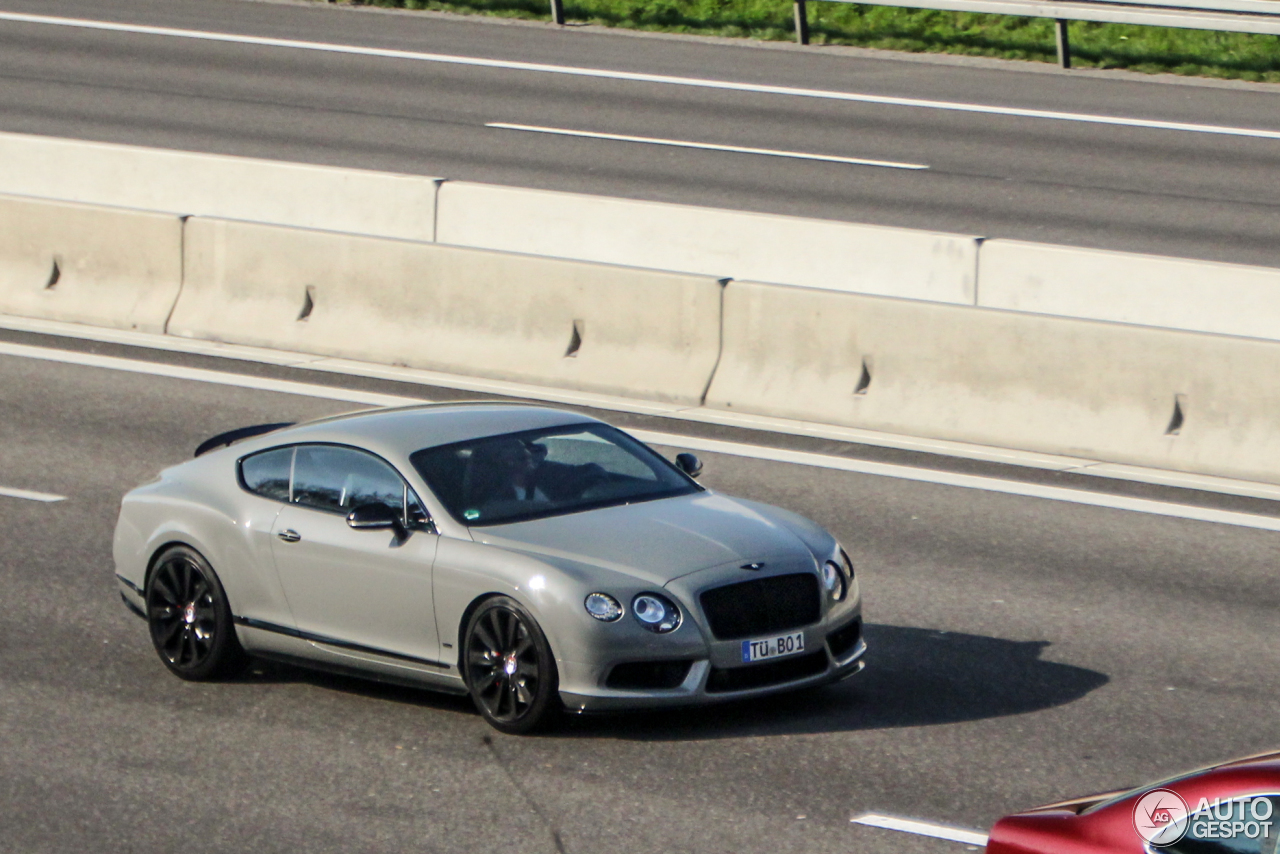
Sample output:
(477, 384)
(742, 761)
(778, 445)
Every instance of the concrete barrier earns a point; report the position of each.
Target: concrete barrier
(83, 264)
(722, 243)
(612, 330)
(189, 183)
(1151, 290)
(1175, 400)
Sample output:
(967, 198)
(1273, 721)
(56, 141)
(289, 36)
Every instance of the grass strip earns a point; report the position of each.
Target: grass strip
(1154, 50)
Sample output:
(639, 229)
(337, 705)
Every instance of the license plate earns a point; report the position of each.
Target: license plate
(774, 647)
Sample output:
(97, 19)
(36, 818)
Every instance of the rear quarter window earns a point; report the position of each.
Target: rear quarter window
(267, 473)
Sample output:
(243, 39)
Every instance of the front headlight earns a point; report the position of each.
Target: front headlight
(603, 607)
(656, 613)
(833, 580)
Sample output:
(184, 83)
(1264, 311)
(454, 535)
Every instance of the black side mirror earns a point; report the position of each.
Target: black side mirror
(375, 517)
(689, 464)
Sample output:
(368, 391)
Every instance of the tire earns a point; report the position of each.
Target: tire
(509, 669)
(190, 619)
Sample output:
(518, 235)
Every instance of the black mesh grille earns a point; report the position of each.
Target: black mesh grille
(762, 605)
(771, 673)
(648, 674)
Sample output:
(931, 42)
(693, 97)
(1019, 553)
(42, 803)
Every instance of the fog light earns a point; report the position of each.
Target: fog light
(656, 613)
(603, 607)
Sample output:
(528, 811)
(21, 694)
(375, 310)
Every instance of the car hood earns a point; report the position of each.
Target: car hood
(657, 541)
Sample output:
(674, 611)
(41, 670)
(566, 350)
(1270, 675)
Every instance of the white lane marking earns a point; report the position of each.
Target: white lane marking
(30, 495)
(412, 376)
(727, 85)
(717, 446)
(965, 481)
(706, 146)
(922, 828)
(181, 372)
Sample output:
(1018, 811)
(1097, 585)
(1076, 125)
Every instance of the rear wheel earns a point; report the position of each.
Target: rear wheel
(189, 617)
(509, 668)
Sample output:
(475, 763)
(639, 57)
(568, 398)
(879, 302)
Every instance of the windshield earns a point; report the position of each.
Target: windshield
(537, 473)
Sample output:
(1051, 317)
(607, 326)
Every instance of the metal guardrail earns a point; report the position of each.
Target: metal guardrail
(1231, 16)
(1228, 16)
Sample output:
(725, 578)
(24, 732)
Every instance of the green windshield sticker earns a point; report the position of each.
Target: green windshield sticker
(471, 514)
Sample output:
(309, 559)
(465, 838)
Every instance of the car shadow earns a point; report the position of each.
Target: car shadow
(272, 672)
(914, 677)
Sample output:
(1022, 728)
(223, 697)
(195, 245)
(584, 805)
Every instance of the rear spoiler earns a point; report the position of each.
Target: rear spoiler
(224, 439)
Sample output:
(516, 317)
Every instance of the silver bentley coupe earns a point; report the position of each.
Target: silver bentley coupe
(536, 559)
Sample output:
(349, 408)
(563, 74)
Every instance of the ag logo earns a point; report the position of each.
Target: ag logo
(1160, 817)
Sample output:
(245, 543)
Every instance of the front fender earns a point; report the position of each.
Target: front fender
(553, 590)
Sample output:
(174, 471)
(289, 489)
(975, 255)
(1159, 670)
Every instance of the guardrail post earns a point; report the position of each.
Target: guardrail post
(557, 12)
(1064, 44)
(802, 22)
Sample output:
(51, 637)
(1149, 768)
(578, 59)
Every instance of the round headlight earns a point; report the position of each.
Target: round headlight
(603, 607)
(656, 613)
(833, 580)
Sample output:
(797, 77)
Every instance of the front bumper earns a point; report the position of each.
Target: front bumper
(705, 684)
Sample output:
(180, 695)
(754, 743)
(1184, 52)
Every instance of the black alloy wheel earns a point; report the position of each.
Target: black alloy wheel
(509, 667)
(189, 617)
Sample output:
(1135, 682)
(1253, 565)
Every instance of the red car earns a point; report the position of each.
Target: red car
(1232, 808)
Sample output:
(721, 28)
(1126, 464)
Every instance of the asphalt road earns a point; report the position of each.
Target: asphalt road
(1140, 189)
(1021, 651)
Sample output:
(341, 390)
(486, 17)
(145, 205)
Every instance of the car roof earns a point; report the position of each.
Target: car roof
(402, 430)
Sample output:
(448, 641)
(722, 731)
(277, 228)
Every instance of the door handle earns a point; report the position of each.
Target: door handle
(289, 535)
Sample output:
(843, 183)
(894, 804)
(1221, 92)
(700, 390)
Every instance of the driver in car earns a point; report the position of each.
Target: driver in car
(508, 469)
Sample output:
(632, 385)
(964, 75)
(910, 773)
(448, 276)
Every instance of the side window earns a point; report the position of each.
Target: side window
(267, 473)
(337, 479)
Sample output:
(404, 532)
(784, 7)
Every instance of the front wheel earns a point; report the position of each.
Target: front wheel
(189, 618)
(509, 668)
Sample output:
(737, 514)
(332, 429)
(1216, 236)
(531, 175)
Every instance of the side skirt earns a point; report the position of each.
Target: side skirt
(355, 672)
(262, 625)
(307, 649)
